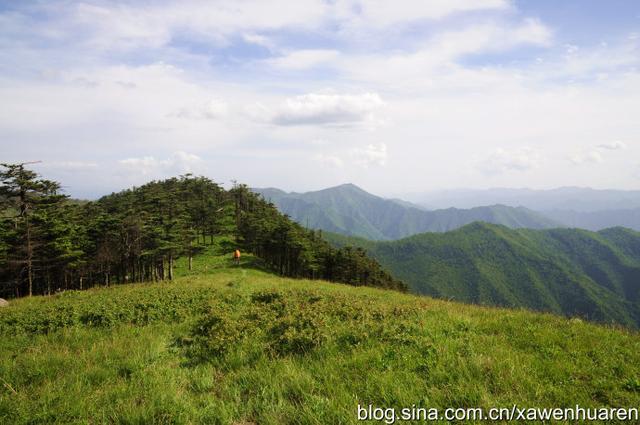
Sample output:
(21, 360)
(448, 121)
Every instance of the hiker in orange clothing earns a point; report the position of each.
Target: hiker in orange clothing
(236, 257)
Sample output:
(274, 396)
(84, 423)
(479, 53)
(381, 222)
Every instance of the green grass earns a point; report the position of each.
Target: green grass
(238, 346)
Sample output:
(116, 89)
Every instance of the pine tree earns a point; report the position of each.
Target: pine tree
(27, 199)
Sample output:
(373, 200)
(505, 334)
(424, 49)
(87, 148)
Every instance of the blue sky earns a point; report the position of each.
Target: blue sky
(395, 96)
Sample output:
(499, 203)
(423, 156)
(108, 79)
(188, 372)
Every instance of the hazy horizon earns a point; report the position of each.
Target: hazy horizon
(404, 196)
(395, 97)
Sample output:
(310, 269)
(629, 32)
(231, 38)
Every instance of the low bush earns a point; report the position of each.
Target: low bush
(139, 306)
(292, 322)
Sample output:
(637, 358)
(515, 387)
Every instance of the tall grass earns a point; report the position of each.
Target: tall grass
(234, 346)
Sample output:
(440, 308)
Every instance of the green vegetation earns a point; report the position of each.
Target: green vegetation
(565, 271)
(167, 329)
(349, 210)
(238, 346)
(48, 244)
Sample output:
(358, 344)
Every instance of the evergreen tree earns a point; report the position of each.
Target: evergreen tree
(31, 202)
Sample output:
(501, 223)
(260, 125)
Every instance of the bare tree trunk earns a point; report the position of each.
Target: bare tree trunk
(29, 258)
(170, 266)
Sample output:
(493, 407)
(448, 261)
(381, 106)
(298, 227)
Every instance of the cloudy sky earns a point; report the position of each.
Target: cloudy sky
(396, 96)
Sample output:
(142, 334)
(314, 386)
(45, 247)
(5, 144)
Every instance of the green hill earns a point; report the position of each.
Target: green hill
(349, 210)
(565, 271)
(234, 345)
(48, 243)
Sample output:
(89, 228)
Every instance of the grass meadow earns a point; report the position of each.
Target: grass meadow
(237, 345)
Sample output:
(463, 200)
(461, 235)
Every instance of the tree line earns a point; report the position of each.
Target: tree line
(49, 242)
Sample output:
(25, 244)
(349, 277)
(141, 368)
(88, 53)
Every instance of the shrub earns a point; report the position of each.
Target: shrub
(138, 306)
(298, 332)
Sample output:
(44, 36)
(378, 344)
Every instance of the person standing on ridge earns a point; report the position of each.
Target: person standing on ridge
(236, 257)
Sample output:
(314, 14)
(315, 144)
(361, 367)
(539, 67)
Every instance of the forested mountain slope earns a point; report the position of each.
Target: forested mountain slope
(565, 271)
(48, 244)
(349, 210)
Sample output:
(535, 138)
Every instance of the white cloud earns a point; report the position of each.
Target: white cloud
(331, 160)
(382, 13)
(435, 62)
(319, 142)
(216, 108)
(145, 165)
(83, 82)
(372, 154)
(613, 146)
(213, 109)
(93, 123)
(120, 25)
(134, 25)
(69, 165)
(490, 37)
(594, 62)
(178, 163)
(596, 155)
(503, 160)
(592, 156)
(259, 40)
(571, 49)
(304, 59)
(328, 109)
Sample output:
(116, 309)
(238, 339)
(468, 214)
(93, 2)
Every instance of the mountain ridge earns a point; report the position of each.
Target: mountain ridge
(580, 199)
(597, 220)
(350, 210)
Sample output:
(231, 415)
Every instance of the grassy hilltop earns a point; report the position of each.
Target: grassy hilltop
(230, 345)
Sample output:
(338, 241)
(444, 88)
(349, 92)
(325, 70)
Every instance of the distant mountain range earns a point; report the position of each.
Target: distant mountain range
(349, 210)
(597, 220)
(564, 198)
(566, 271)
(509, 256)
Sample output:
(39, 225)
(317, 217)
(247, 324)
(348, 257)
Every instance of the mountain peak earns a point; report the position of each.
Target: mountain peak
(348, 186)
(479, 225)
(346, 189)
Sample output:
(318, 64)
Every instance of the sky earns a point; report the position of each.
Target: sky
(394, 96)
